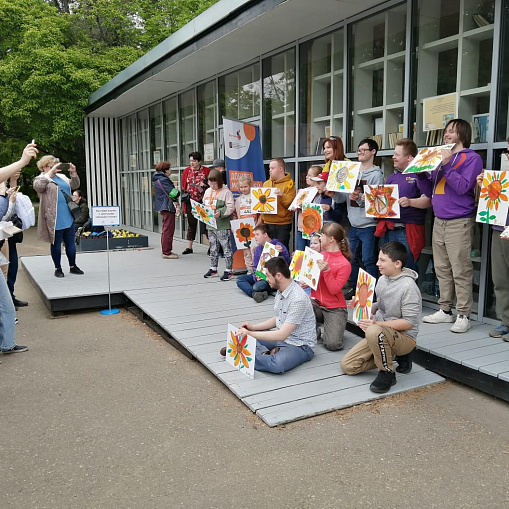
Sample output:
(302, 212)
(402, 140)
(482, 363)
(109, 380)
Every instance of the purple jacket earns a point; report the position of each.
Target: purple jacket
(453, 185)
(409, 187)
(258, 251)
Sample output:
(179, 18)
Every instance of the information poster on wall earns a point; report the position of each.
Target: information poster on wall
(437, 111)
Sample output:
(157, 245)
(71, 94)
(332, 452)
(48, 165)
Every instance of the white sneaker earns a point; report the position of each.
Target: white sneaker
(462, 324)
(438, 317)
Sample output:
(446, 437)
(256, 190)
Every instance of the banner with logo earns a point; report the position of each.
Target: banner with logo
(243, 153)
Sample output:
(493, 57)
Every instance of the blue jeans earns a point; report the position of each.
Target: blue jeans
(287, 358)
(67, 237)
(400, 236)
(300, 243)
(248, 285)
(362, 241)
(7, 317)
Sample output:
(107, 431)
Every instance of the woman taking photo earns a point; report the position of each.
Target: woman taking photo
(56, 223)
(167, 206)
(194, 181)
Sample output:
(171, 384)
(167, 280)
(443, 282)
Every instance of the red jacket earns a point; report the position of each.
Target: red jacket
(328, 293)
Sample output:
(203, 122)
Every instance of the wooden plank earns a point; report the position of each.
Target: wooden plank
(484, 360)
(495, 369)
(478, 353)
(294, 410)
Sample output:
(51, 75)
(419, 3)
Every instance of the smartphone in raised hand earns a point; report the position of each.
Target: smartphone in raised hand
(63, 166)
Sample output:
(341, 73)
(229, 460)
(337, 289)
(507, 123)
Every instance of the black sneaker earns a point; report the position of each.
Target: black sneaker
(16, 349)
(76, 270)
(260, 296)
(187, 250)
(383, 382)
(227, 276)
(210, 273)
(19, 303)
(59, 273)
(404, 363)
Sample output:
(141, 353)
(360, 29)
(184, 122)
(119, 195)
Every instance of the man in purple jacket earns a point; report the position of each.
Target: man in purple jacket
(452, 188)
(251, 284)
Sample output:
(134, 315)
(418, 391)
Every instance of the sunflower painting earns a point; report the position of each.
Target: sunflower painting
(363, 299)
(243, 232)
(303, 196)
(310, 272)
(296, 264)
(493, 200)
(269, 251)
(382, 201)
(342, 176)
(427, 159)
(240, 351)
(264, 200)
(203, 213)
(312, 220)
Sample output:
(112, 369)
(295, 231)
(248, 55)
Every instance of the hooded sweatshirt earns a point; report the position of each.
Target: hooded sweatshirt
(356, 209)
(398, 297)
(283, 216)
(222, 201)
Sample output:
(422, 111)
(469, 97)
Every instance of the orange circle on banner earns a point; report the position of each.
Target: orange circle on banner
(250, 132)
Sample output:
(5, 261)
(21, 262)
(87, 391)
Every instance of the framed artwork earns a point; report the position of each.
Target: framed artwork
(343, 176)
(203, 213)
(310, 272)
(269, 251)
(494, 198)
(243, 232)
(363, 299)
(240, 351)
(382, 201)
(264, 200)
(312, 219)
(303, 196)
(427, 159)
(296, 264)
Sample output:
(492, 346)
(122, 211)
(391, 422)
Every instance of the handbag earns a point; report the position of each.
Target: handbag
(16, 221)
(74, 208)
(185, 197)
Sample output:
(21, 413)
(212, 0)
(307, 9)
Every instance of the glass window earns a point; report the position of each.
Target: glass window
(502, 129)
(156, 135)
(170, 131)
(240, 93)
(321, 91)
(279, 105)
(455, 47)
(187, 126)
(143, 162)
(207, 123)
(377, 81)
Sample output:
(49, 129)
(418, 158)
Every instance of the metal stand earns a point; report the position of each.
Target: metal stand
(109, 311)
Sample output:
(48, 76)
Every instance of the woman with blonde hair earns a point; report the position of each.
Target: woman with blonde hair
(56, 223)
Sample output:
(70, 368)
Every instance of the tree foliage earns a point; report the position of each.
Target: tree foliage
(55, 53)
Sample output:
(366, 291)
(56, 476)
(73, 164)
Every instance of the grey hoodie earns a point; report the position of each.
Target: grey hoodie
(356, 211)
(399, 297)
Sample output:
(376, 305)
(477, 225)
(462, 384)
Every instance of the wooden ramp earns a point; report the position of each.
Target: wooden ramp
(194, 311)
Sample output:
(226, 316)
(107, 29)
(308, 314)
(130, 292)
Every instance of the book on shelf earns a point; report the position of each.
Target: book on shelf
(434, 137)
(378, 138)
(480, 20)
(393, 138)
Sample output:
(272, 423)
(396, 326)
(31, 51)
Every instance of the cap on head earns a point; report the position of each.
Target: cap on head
(322, 177)
(218, 163)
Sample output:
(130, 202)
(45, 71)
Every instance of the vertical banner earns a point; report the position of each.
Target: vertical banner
(242, 153)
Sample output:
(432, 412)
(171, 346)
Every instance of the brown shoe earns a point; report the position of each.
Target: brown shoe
(223, 351)
(171, 256)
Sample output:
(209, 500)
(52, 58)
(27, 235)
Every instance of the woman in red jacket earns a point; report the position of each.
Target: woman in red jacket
(329, 303)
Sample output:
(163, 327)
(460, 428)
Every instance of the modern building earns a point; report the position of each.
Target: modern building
(303, 71)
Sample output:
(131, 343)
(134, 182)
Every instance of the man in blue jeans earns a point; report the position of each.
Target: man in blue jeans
(287, 339)
(361, 236)
(7, 311)
(251, 284)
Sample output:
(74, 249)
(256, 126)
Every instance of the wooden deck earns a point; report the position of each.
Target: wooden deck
(194, 311)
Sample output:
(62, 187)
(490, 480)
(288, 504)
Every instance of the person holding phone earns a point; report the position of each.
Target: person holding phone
(56, 223)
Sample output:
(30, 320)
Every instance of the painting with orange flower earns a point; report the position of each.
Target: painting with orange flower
(264, 200)
(303, 196)
(240, 351)
(203, 213)
(296, 264)
(269, 251)
(382, 201)
(427, 159)
(310, 272)
(312, 219)
(343, 176)
(494, 198)
(243, 232)
(363, 299)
